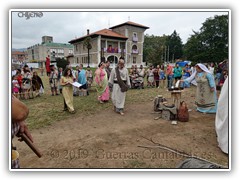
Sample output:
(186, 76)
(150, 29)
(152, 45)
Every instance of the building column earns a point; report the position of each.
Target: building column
(99, 49)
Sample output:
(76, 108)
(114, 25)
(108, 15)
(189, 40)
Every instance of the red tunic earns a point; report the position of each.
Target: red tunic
(48, 64)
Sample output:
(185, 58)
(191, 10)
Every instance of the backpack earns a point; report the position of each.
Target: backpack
(183, 114)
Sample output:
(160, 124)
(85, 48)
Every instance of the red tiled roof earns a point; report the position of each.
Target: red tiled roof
(103, 32)
(18, 53)
(110, 33)
(131, 24)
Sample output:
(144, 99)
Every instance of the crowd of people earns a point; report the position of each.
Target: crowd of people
(166, 75)
(160, 76)
(114, 83)
(25, 81)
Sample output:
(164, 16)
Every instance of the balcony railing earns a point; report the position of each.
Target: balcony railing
(135, 39)
(134, 51)
(124, 50)
(113, 50)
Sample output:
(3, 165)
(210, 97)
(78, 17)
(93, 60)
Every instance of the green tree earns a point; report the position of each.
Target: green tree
(211, 43)
(61, 62)
(174, 42)
(153, 49)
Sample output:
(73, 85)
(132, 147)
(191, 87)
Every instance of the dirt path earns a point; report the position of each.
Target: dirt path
(108, 140)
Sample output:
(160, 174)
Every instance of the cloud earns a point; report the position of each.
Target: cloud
(65, 26)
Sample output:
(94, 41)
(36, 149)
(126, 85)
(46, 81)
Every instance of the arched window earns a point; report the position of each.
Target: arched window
(135, 38)
(134, 49)
(113, 59)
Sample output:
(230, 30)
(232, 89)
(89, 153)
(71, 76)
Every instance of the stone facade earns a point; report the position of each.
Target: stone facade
(39, 52)
(124, 40)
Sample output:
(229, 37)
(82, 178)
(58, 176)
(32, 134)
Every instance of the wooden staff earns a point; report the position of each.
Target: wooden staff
(24, 137)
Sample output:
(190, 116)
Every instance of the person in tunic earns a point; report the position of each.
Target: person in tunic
(53, 80)
(221, 121)
(119, 82)
(89, 75)
(101, 80)
(37, 83)
(67, 90)
(141, 75)
(82, 79)
(48, 70)
(26, 82)
(206, 98)
(150, 77)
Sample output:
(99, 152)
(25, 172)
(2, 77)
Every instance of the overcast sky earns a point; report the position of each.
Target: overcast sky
(65, 26)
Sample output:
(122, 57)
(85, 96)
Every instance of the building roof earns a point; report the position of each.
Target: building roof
(104, 32)
(130, 23)
(53, 44)
(19, 53)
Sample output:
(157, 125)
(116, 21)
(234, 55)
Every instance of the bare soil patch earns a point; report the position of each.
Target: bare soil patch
(109, 140)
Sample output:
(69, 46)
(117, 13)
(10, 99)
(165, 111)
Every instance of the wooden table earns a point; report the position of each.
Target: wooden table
(176, 96)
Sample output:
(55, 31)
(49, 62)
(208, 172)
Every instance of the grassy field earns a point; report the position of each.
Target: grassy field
(47, 109)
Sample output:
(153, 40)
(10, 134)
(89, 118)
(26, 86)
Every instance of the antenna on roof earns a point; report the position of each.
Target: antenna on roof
(128, 18)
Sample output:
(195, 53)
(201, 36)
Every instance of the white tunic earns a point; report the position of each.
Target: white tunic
(221, 121)
(118, 97)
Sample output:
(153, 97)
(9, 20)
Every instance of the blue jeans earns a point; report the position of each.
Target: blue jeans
(169, 81)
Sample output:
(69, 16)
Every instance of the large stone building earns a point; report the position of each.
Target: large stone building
(39, 52)
(123, 40)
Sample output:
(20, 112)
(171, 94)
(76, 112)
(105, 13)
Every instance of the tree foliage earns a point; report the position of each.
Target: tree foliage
(175, 45)
(211, 43)
(160, 49)
(61, 62)
(153, 49)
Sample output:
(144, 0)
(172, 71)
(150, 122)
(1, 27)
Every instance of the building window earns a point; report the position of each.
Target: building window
(122, 47)
(77, 60)
(134, 49)
(134, 60)
(135, 38)
(70, 51)
(113, 59)
(76, 47)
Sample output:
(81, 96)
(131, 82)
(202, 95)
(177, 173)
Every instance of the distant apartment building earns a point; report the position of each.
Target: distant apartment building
(123, 40)
(39, 52)
(19, 57)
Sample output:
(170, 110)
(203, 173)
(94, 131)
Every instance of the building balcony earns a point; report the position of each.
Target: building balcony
(112, 50)
(124, 50)
(135, 39)
(135, 51)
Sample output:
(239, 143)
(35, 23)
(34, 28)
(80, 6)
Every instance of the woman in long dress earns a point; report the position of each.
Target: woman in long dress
(222, 119)
(206, 98)
(67, 90)
(101, 80)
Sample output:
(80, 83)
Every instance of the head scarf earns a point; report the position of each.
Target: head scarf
(203, 67)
